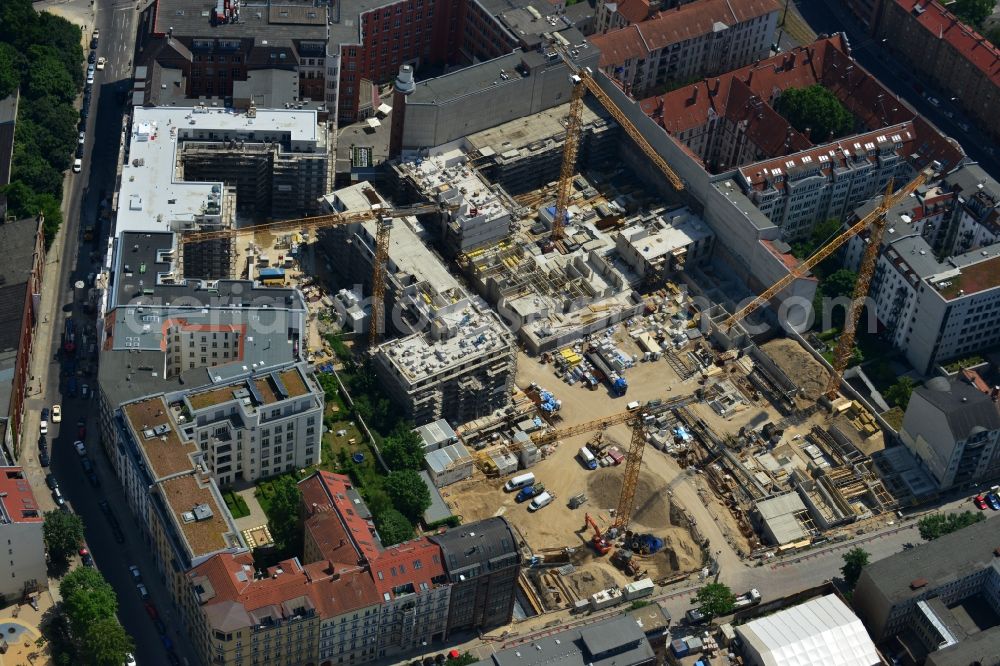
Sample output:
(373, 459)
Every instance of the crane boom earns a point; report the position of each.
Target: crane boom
(541, 439)
(570, 146)
(825, 251)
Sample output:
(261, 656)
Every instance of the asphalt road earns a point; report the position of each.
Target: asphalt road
(77, 260)
(877, 58)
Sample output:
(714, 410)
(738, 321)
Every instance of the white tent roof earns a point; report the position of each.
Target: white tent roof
(820, 632)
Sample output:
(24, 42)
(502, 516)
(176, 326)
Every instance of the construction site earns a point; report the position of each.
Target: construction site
(610, 414)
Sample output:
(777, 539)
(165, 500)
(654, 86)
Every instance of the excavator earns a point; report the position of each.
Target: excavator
(598, 541)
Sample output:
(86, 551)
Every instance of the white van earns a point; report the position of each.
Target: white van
(542, 500)
(587, 458)
(519, 481)
(632, 406)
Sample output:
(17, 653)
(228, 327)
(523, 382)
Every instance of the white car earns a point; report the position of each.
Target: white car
(129, 659)
(933, 100)
(143, 592)
(136, 574)
(101, 62)
(56, 413)
(43, 428)
(81, 138)
(80, 447)
(77, 165)
(90, 78)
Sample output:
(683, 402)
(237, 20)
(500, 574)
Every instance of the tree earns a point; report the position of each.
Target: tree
(47, 75)
(106, 643)
(715, 599)
(816, 111)
(839, 284)
(404, 448)
(465, 658)
(393, 527)
(409, 493)
(993, 34)
(900, 392)
(937, 525)
(855, 560)
(283, 514)
(10, 77)
(973, 12)
(820, 234)
(86, 598)
(62, 532)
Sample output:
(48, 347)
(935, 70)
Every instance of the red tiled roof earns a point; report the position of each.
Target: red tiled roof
(699, 18)
(16, 497)
(414, 563)
(325, 489)
(829, 155)
(618, 46)
(942, 24)
(685, 22)
(823, 62)
(634, 11)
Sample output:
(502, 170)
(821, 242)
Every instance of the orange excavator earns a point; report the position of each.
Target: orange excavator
(600, 544)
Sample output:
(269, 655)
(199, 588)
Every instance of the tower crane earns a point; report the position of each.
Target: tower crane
(383, 223)
(633, 458)
(583, 80)
(874, 219)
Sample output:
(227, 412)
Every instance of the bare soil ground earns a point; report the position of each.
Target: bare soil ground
(800, 367)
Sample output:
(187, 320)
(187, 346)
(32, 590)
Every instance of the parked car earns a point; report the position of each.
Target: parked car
(84, 391)
(994, 501)
(90, 77)
(78, 163)
(81, 138)
(129, 659)
(81, 430)
(51, 482)
(92, 57)
(980, 501)
(86, 558)
(44, 414)
(43, 458)
(43, 427)
(137, 577)
(56, 413)
(143, 592)
(934, 101)
(80, 447)
(160, 627)
(58, 498)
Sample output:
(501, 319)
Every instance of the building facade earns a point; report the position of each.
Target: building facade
(21, 522)
(20, 293)
(953, 429)
(697, 39)
(951, 55)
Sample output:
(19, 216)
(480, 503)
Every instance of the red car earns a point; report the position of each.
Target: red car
(81, 430)
(980, 501)
(151, 609)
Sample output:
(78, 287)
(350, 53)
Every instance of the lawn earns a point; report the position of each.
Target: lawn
(237, 505)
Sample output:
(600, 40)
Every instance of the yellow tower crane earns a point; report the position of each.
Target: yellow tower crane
(874, 219)
(583, 81)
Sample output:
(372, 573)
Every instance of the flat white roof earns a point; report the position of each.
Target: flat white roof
(152, 195)
(821, 631)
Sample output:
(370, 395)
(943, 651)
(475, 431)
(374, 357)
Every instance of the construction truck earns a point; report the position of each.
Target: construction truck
(748, 599)
(616, 382)
(529, 492)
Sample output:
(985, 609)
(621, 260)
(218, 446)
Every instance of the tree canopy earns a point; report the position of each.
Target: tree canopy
(284, 512)
(715, 599)
(40, 53)
(855, 560)
(973, 12)
(938, 524)
(403, 448)
(62, 532)
(900, 392)
(409, 493)
(89, 604)
(815, 111)
(393, 527)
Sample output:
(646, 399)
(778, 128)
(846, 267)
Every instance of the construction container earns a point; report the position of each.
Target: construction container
(639, 589)
(606, 598)
(530, 455)
(679, 648)
(694, 644)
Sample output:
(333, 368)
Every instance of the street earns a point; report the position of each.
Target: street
(72, 259)
(830, 17)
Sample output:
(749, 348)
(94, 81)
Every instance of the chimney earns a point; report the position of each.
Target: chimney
(403, 88)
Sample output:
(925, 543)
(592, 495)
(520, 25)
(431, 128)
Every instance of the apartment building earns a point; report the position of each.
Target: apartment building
(936, 285)
(20, 291)
(21, 522)
(828, 181)
(952, 426)
(702, 38)
(918, 600)
(350, 600)
(951, 55)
